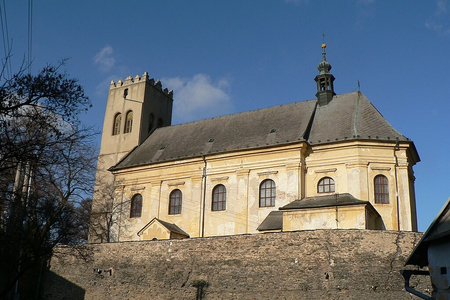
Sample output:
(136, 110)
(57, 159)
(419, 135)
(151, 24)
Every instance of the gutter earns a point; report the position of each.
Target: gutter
(397, 148)
(407, 275)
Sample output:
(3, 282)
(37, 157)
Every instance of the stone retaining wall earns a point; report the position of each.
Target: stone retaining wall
(316, 264)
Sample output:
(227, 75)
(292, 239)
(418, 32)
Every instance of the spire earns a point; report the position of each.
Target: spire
(325, 89)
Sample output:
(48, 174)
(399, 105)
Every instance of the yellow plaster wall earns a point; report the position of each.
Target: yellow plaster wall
(338, 217)
(353, 167)
(155, 230)
(241, 173)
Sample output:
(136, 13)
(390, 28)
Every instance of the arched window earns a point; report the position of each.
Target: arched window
(136, 206)
(219, 198)
(128, 122)
(160, 122)
(325, 185)
(175, 202)
(116, 126)
(267, 191)
(381, 188)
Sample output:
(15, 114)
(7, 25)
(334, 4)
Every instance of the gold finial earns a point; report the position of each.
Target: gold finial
(324, 45)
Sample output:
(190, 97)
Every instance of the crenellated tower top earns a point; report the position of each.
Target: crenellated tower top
(145, 78)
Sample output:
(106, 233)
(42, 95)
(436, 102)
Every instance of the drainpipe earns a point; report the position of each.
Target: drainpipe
(407, 275)
(397, 148)
(204, 196)
(159, 197)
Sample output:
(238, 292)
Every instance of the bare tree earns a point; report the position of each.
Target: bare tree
(108, 213)
(47, 167)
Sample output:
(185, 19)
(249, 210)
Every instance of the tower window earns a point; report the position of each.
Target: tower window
(136, 206)
(116, 126)
(129, 122)
(326, 185)
(151, 120)
(125, 93)
(175, 202)
(219, 200)
(267, 191)
(381, 189)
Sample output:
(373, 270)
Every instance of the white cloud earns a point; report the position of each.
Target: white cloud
(366, 10)
(198, 97)
(439, 21)
(105, 59)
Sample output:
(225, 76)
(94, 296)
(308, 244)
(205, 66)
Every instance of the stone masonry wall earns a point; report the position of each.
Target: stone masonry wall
(316, 264)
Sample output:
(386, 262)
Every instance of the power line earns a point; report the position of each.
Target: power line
(30, 33)
(5, 36)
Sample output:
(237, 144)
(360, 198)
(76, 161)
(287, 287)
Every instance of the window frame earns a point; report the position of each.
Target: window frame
(128, 122)
(136, 206)
(175, 202)
(219, 198)
(326, 185)
(381, 189)
(267, 200)
(117, 124)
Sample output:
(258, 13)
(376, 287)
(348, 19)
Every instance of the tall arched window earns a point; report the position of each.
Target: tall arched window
(267, 191)
(116, 126)
(381, 188)
(128, 122)
(219, 199)
(325, 185)
(175, 202)
(136, 206)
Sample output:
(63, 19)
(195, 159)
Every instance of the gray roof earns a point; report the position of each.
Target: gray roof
(324, 201)
(273, 221)
(351, 116)
(347, 117)
(438, 230)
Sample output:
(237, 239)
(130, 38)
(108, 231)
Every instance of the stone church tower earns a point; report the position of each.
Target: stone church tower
(134, 109)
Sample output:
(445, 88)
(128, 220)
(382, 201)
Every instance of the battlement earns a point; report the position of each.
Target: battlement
(145, 78)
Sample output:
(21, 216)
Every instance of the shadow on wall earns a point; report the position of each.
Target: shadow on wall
(56, 287)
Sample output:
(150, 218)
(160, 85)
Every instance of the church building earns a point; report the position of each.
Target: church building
(333, 162)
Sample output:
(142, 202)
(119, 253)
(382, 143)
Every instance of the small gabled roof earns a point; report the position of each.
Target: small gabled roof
(170, 226)
(273, 221)
(439, 229)
(344, 199)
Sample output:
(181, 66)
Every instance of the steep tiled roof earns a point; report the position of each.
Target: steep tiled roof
(253, 129)
(350, 116)
(347, 117)
(273, 221)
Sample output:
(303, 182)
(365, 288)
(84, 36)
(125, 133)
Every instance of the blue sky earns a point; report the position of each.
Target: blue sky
(223, 57)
